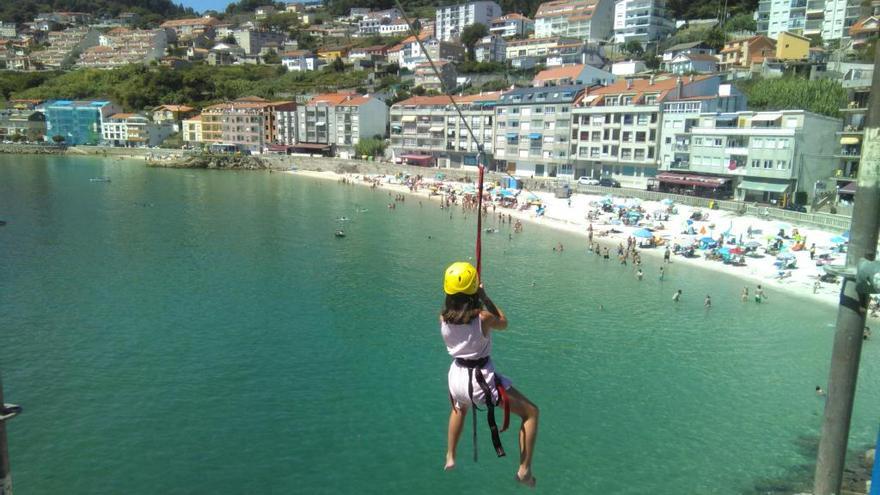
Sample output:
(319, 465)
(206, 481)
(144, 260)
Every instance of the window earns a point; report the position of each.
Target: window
(627, 119)
(642, 119)
(626, 100)
(698, 141)
(640, 137)
(781, 164)
(756, 163)
(768, 164)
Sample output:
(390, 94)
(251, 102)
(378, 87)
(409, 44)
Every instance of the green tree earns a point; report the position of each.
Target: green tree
(370, 147)
(740, 22)
(337, 65)
(715, 38)
(823, 96)
(271, 57)
(471, 35)
(633, 48)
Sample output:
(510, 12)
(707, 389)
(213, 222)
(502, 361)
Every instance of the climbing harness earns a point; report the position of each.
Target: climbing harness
(475, 370)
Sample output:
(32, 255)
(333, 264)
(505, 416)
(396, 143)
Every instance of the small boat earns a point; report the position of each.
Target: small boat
(99, 179)
(340, 233)
(343, 219)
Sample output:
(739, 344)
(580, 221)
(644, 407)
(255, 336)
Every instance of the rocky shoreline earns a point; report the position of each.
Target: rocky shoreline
(214, 162)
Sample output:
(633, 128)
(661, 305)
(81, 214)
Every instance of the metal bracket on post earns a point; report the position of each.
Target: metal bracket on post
(9, 411)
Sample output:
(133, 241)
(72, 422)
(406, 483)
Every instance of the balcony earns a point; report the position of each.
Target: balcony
(682, 148)
(736, 150)
(680, 165)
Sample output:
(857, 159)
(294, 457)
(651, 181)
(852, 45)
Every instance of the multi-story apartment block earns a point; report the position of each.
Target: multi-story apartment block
(829, 18)
(133, 130)
(590, 20)
(122, 46)
(490, 48)
(22, 119)
(618, 127)
(426, 130)
(525, 54)
(252, 41)
(512, 26)
(372, 22)
(425, 77)
(742, 53)
(452, 19)
(339, 121)
(192, 130)
(249, 124)
(394, 28)
(533, 131)
(849, 150)
(642, 20)
(8, 29)
(187, 29)
(63, 45)
(768, 157)
(77, 122)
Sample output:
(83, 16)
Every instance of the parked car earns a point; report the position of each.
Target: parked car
(606, 182)
(796, 207)
(588, 181)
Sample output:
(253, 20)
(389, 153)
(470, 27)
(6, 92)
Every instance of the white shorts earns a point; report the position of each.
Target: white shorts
(458, 384)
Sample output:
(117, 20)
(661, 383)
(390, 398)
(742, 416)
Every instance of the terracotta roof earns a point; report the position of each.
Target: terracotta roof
(569, 71)
(575, 10)
(437, 101)
(174, 108)
(197, 117)
(122, 115)
(511, 16)
(865, 25)
(297, 53)
(639, 87)
(195, 21)
(350, 99)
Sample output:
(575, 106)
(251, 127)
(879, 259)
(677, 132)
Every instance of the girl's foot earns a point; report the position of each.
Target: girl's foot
(450, 463)
(526, 479)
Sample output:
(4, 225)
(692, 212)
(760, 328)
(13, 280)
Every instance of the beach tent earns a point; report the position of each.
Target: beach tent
(839, 239)
(644, 234)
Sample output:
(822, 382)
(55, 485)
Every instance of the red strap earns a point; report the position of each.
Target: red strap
(480, 219)
(502, 396)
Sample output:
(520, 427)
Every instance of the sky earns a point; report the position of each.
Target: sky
(203, 5)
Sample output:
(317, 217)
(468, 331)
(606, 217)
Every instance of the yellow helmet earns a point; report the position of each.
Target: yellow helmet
(461, 277)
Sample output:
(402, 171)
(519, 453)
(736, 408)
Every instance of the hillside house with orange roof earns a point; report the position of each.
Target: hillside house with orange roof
(184, 29)
(746, 52)
(864, 31)
(590, 20)
(336, 122)
(427, 131)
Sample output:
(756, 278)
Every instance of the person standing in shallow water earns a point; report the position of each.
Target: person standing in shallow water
(745, 294)
(677, 296)
(466, 329)
(759, 294)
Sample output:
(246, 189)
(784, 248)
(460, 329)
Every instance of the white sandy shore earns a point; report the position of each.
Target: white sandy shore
(559, 215)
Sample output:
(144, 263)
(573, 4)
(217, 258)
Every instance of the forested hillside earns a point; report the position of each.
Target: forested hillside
(152, 10)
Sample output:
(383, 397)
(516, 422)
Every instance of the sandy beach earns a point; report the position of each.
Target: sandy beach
(571, 217)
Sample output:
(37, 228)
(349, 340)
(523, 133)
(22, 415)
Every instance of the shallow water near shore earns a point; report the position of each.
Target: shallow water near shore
(181, 331)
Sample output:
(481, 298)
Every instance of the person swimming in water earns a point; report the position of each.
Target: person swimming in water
(466, 322)
(677, 296)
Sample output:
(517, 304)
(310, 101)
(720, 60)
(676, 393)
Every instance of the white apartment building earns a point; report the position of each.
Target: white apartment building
(618, 128)
(829, 18)
(590, 20)
(426, 130)
(511, 26)
(491, 48)
(133, 130)
(756, 156)
(452, 19)
(533, 131)
(372, 22)
(339, 120)
(642, 20)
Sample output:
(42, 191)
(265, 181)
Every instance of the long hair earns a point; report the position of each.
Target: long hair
(461, 309)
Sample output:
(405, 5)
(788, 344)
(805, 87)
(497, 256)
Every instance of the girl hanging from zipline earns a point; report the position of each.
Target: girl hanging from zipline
(466, 328)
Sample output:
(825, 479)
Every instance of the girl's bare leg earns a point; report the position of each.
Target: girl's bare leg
(456, 425)
(528, 433)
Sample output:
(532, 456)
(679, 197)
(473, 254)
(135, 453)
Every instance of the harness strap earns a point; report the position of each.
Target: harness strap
(477, 365)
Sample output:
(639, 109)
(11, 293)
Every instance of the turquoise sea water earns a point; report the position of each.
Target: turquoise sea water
(179, 331)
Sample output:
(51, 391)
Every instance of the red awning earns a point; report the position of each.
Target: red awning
(414, 156)
(849, 188)
(692, 180)
(279, 147)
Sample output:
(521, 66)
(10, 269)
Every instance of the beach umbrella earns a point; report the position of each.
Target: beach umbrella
(839, 239)
(724, 251)
(737, 250)
(690, 222)
(707, 240)
(845, 235)
(667, 202)
(753, 244)
(785, 256)
(643, 233)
